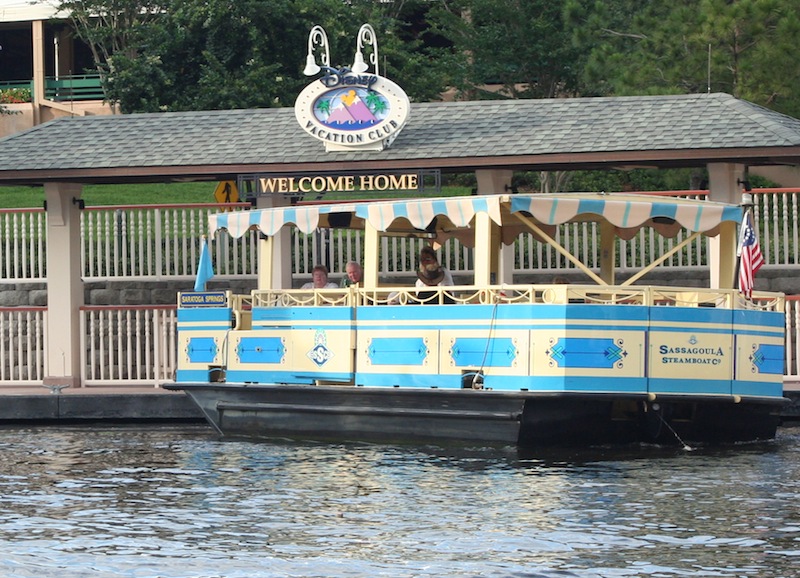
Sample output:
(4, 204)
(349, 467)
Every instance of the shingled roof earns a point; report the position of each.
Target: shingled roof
(563, 134)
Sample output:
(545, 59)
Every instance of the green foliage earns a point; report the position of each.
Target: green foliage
(15, 95)
(93, 195)
(217, 54)
(742, 47)
(520, 45)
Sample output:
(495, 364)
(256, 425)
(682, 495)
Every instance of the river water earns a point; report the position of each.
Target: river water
(175, 501)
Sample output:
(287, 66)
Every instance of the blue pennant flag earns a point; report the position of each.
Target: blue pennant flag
(205, 269)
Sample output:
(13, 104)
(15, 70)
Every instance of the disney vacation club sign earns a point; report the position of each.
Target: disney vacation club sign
(350, 109)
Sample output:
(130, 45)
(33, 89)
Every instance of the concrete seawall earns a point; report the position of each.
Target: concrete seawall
(129, 404)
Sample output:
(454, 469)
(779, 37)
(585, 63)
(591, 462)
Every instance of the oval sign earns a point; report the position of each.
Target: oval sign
(352, 111)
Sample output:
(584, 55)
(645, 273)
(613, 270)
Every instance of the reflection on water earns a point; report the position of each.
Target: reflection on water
(176, 502)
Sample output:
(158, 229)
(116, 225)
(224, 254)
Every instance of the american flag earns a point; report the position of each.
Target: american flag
(750, 257)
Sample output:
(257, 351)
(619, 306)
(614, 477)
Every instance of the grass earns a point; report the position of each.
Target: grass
(93, 195)
(165, 194)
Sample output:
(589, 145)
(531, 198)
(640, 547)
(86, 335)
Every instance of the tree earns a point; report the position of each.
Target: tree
(742, 47)
(113, 28)
(520, 45)
(218, 54)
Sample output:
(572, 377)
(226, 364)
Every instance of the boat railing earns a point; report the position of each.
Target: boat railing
(301, 297)
(552, 294)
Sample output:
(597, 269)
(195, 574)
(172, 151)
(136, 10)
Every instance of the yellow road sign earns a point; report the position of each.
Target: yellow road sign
(226, 192)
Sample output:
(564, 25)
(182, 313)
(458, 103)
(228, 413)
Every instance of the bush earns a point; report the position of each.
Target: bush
(15, 95)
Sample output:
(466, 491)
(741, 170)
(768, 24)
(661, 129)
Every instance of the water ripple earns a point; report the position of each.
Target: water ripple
(173, 502)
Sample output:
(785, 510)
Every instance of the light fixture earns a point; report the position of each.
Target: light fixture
(317, 37)
(366, 35)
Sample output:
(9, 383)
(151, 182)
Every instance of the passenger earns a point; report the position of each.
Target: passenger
(319, 279)
(431, 274)
(353, 276)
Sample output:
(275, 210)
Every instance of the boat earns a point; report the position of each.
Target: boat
(488, 360)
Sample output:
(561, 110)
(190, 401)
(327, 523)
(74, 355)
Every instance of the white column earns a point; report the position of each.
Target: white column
(724, 186)
(496, 265)
(371, 256)
(37, 31)
(64, 285)
(275, 254)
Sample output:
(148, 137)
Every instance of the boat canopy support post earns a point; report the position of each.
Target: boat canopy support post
(726, 265)
(553, 243)
(275, 257)
(487, 234)
(501, 257)
(656, 262)
(607, 252)
(371, 253)
(723, 187)
(265, 263)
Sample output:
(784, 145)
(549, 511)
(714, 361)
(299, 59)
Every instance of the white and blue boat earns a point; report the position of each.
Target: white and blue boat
(489, 360)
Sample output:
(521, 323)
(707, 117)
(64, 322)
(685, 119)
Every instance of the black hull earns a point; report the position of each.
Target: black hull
(475, 416)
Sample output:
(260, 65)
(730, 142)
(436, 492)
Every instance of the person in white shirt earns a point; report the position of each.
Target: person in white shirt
(319, 279)
(430, 273)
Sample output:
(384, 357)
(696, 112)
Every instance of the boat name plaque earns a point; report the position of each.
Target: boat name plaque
(203, 299)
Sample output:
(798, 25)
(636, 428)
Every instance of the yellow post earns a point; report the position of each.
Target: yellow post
(723, 274)
(371, 252)
(607, 252)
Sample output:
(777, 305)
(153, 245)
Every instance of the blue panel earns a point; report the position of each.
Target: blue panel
(205, 314)
(691, 386)
(768, 359)
(405, 317)
(397, 351)
(762, 318)
(302, 314)
(191, 376)
(332, 313)
(591, 311)
(260, 350)
(272, 376)
(418, 380)
(497, 352)
(201, 349)
(585, 352)
(271, 313)
(592, 384)
(741, 387)
(692, 315)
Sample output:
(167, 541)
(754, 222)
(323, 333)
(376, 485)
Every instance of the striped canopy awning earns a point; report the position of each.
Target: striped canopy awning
(627, 213)
(416, 214)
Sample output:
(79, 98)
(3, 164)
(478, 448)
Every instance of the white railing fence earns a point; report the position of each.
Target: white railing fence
(22, 342)
(146, 242)
(134, 345)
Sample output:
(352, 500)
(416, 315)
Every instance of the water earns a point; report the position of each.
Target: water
(155, 501)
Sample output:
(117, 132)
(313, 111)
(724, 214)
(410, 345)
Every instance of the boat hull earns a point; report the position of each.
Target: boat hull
(476, 416)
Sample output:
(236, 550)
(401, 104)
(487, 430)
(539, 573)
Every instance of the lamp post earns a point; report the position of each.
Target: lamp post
(366, 35)
(317, 37)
